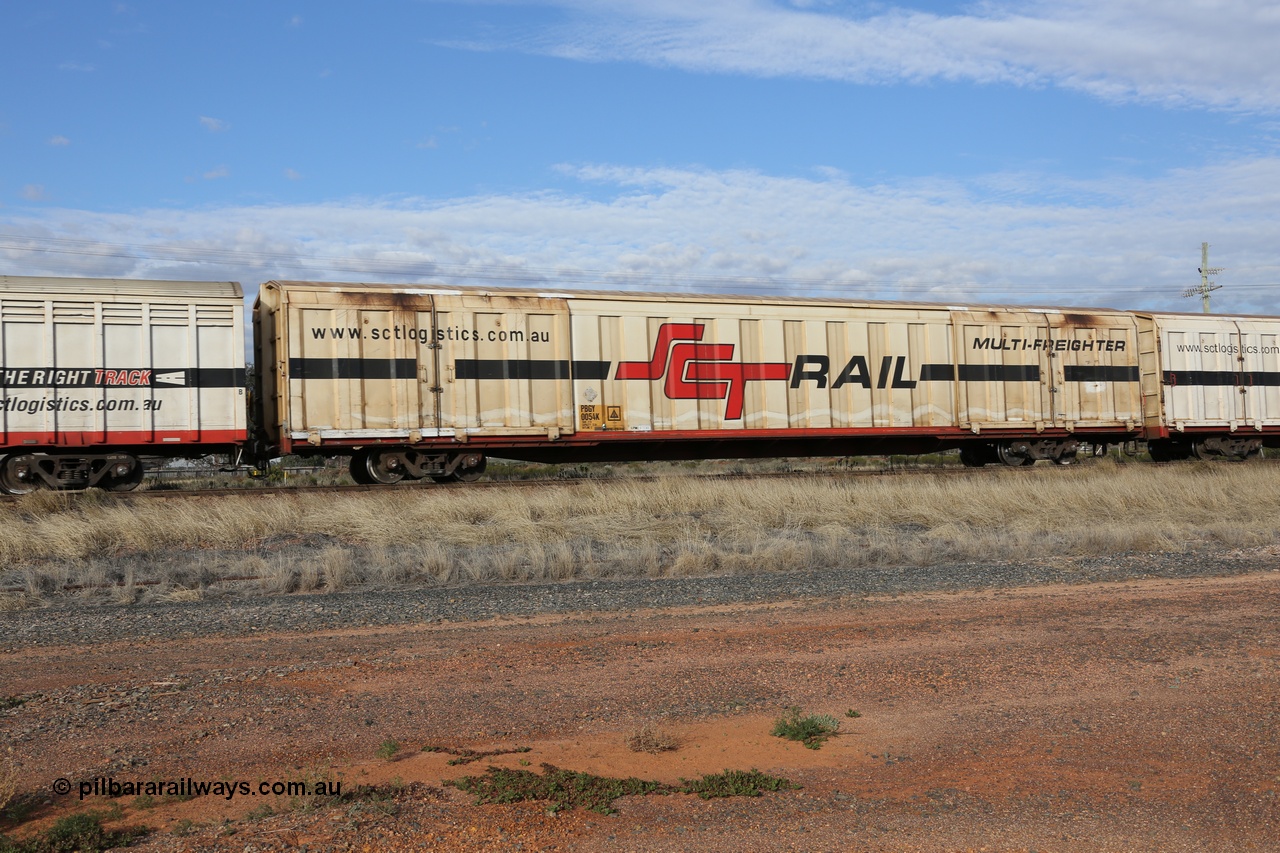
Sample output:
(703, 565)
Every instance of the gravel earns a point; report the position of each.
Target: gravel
(73, 620)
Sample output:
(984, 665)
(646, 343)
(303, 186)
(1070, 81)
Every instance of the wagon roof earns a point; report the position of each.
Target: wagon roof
(184, 290)
(546, 292)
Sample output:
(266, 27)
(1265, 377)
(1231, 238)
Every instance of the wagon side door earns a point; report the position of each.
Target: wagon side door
(1199, 370)
(506, 365)
(1002, 369)
(353, 364)
(1259, 390)
(1094, 363)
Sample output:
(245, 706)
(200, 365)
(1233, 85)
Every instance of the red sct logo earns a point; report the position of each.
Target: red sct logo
(697, 371)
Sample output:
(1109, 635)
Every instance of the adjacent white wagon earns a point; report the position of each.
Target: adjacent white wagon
(96, 373)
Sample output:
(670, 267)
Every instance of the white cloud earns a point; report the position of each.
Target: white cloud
(214, 174)
(76, 66)
(1216, 53)
(293, 174)
(214, 125)
(33, 192)
(1124, 243)
(59, 141)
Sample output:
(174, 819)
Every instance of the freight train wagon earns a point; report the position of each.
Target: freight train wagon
(1210, 384)
(428, 381)
(97, 373)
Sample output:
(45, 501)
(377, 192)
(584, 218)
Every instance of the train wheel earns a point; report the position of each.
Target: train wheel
(1065, 459)
(1006, 455)
(356, 467)
(17, 477)
(473, 471)
(384, 469)
(124, 481)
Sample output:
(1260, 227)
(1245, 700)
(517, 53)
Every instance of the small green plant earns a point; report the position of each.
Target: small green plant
(466, 756)
(852, 714)
(811, 730)
(82, 831)
(567, 789)
(183, 827)
(735, 783)
(259, 812)
(389, 748)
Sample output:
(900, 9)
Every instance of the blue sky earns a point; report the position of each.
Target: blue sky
(1073, 152)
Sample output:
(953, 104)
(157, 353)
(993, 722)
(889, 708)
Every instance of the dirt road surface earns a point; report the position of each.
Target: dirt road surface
(1134, 716)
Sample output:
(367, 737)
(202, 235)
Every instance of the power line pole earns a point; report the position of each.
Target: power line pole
(1206, 286)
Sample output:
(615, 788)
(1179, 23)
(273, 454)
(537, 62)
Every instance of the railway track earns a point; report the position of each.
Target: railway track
(167, 492)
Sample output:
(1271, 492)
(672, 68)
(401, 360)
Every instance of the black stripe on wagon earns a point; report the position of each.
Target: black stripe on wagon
(937, 373)
(353, 368)
(111, 377)
(980, 372)
(1100, 373)
(524, 368)
(999, 372)
(1221, 377)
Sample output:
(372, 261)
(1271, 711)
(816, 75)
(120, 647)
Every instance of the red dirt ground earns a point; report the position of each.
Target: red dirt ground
(1111, 717)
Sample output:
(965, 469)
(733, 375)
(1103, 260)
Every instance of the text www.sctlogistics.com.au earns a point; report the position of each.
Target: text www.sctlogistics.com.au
(227, 789)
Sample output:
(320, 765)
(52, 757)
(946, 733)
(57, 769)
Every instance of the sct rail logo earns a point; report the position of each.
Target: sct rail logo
(698, 371)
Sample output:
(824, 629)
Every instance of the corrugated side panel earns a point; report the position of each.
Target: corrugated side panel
(1096, 371)
(1199, 365)
(1047, 368)
(402, 365)
(1260, 346)
(752, 366)
(506, 363)
(92, 366)
(350, 363)
(1219, 371)
(1003, 377)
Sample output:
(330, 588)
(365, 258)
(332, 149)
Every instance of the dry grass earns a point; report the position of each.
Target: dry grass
(8, 779)
(672, 526)
(653, 739)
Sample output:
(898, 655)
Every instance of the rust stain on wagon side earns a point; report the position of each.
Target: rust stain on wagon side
(1086, 321)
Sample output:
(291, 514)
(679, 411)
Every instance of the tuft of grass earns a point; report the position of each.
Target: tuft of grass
(568, 789)
(8, 782)
(388, 749)
(184, 827)
(812, 730)
(652, 739)
(81, 832)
